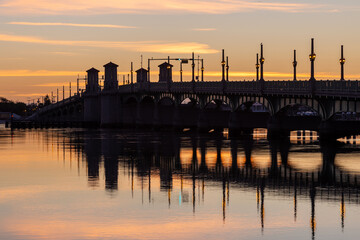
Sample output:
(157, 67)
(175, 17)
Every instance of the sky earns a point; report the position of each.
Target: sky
(45, 44)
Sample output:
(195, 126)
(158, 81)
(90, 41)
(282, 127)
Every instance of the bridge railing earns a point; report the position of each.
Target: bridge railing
(181, 87)
(296, 87)
(337, 87)
(242, 87)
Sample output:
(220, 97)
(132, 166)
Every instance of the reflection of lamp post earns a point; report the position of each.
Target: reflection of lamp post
(342, 62)
(312, 57)
(257, 65)
(262, 60)
(294, 64)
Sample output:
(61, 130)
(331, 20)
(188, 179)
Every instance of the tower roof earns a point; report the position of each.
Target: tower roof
(141, 70)
(165, 64)
(111, 64)
(93, 70)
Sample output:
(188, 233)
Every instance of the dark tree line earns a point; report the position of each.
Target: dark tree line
(19, 108)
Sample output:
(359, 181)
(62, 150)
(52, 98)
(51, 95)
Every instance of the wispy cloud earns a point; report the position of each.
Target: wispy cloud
(35, 73)
(90, 7)
(204, 29)
(137, 46)
(69, 24)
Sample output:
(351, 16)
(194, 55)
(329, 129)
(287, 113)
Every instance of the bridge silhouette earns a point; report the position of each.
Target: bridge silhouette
(330, 107)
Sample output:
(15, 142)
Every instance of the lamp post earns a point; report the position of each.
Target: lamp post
(312, 57)
(202, 70)
(262, 60)
(257, 65)
(342, 62)
(227, 69)
(294, 64)
(193, 68)
(223, 65)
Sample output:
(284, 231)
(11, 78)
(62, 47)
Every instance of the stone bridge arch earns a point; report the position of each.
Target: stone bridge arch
(216, 98)
(253, 99)
(191, 96)
(316, 105)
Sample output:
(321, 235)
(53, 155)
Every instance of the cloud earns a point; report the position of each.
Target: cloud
(136, 46)
(35, 73)
(69, 24)
(92, 7)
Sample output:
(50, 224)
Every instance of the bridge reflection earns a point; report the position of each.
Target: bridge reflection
(201, 160)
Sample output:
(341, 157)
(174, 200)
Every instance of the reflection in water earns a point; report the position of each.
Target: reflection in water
(155, 160)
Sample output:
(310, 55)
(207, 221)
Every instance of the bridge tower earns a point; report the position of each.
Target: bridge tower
(92, 85)
(110, 82)
(141, 75)
(165, 72)
(91, 99)
(110, 101)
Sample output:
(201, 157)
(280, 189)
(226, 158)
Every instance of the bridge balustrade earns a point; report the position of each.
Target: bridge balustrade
(334, 88)
(181, 87)
(158, 87)
(242, 87)
(287, 87)
(208, 87)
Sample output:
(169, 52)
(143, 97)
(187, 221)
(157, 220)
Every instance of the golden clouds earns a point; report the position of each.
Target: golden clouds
(136, 46)
(69, 24)
(90, 7)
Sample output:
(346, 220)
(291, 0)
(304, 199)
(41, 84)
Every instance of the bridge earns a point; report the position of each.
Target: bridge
(330, 107)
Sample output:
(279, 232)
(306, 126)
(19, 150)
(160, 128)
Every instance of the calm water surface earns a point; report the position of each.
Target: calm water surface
(127, 184)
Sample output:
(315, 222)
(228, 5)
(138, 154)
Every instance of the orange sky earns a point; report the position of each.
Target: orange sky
(45, 44)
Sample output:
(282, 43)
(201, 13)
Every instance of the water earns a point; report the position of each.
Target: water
(127, 184)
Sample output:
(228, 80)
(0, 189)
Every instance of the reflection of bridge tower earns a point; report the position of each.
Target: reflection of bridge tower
(110, 152)
(93, 157)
